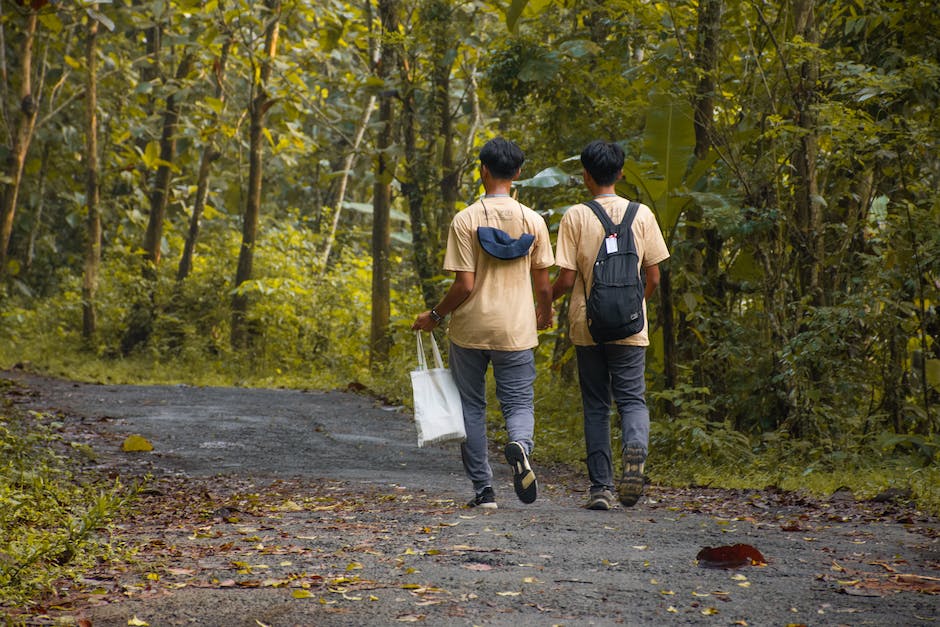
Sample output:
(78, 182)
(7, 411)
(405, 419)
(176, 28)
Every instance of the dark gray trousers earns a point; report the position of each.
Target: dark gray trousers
(617, 371)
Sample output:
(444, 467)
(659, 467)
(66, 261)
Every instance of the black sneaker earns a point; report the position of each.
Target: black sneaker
(485, 498)
(600, 499)
(631, 481)
(523, 479)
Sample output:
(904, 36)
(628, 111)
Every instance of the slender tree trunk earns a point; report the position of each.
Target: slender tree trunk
(808, 205)
(159, 194)
(93, 218)
(140, 323)
(40, 207)
(382, 194)
(704, 244)
(670, 365)
(209, 154)
(22, 136)
(443, 66)
(259, 104)
(344, 179)
(412, 188)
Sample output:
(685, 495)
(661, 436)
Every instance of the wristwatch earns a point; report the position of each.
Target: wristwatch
(436, 317)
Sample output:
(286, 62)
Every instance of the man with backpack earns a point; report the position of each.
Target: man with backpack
(610, 266)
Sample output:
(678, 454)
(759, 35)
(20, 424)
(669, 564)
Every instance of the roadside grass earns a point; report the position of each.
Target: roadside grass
(54, 518)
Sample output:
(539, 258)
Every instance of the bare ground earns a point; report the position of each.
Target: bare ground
(282, 508)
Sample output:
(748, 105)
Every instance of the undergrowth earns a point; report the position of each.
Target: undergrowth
(53, 521)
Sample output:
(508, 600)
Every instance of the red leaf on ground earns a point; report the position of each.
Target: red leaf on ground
(730, 556)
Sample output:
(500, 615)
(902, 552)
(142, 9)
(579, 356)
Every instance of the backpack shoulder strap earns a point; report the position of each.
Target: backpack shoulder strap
(598, 210)
(630, 214)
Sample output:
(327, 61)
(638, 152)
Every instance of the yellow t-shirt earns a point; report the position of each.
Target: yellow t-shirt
(499, 314)
(580, 236)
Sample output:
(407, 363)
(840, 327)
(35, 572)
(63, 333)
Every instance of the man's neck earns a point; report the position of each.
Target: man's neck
(498, 188)
(603, 190)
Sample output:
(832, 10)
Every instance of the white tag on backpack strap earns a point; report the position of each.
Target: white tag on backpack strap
(611, 243)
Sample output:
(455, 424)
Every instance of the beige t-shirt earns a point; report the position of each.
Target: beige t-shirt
(499, 314)
(580, 236)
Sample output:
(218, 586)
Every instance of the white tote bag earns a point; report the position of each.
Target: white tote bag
(438, 412)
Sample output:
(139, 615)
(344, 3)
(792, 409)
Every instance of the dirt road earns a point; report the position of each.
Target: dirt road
(282, 508)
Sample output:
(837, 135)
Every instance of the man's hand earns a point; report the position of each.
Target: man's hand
(424, 322)
(544, 319)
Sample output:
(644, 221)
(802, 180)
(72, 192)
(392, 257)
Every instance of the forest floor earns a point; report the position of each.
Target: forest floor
(284, 507)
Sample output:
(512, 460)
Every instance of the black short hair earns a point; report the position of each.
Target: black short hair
(603, 161)
(502, 157)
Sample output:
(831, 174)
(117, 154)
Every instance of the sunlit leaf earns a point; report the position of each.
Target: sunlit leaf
(136, 443)
(300, 593)
(136, 622)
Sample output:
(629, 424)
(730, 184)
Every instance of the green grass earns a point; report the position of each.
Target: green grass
(54, 519)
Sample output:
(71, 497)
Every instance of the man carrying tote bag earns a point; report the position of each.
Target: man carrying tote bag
(498, 249)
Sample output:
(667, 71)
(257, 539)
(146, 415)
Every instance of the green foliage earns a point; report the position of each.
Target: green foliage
(53, 523)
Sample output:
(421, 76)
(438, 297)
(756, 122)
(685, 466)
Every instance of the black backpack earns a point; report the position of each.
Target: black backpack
(615, 304)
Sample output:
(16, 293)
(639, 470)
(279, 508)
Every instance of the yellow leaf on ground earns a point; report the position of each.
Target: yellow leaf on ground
(509, 593)
(300, 593)
(136, 443)
(136, 622)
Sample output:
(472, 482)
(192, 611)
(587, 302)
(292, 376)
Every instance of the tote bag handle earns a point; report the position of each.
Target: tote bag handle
(422, 358)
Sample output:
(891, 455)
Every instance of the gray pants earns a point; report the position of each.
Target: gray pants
(514, 372)
(612, 370)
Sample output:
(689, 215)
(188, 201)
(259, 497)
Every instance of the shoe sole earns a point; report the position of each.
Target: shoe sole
(484, 506)
(523, 479)
(599, 505)
(631, 482)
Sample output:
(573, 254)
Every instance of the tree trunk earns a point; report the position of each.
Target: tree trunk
(22, 136)
(93, 218)
(670, 365)
(382, 195)
(443, 29)
(209, 154)
(808, 203)
(159, 194)
(40, 208)
(344, 179)
(704, 244)
(242, 335)
(140, 323)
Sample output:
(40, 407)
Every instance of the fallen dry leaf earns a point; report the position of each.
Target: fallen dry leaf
(730, 556)
(477, 566)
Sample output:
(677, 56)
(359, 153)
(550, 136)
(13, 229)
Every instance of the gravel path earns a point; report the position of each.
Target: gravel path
(282, 508)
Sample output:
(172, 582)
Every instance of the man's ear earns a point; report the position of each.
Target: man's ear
(517, 174)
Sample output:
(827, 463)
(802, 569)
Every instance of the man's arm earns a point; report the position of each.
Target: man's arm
(459, 290)
(652, 280)
(543, 298)
(563, 283)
